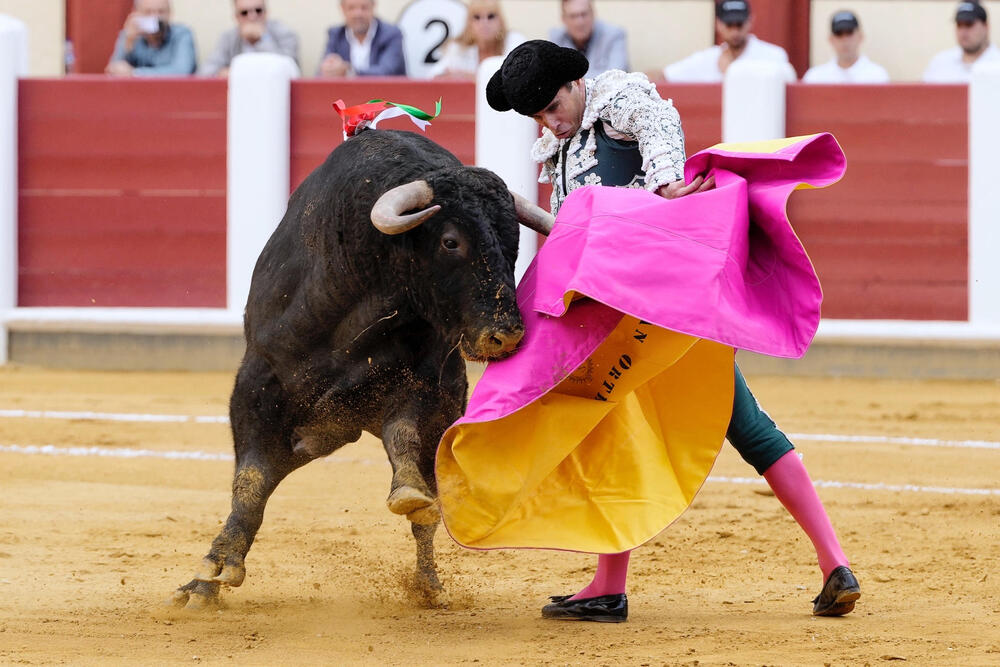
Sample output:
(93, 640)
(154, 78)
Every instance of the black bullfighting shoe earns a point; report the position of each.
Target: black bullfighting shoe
(839, 593)
(603, 609)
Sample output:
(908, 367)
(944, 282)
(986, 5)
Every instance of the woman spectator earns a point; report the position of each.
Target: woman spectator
(485, 35)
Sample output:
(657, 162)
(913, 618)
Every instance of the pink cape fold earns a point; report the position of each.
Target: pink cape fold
(695, 265)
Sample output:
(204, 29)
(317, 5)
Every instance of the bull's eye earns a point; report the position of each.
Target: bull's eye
(450, 244)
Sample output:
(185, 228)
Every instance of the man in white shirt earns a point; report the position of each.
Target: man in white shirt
(972, 31)
(733, 23)
(849, 65)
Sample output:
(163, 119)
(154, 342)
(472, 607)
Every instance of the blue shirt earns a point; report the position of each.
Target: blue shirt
(175, 57)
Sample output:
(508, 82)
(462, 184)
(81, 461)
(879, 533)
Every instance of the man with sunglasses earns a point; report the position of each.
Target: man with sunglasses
(849, 65)
(733, 23)
(972, 32)
(254, 33)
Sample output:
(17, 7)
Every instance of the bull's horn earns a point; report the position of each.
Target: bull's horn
(387, 213)
(532, 216)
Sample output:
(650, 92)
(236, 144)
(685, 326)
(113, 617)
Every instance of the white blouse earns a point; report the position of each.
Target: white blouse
(458, 58)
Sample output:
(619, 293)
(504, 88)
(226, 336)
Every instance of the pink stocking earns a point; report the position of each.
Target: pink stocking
(612, 570)
(791, 484)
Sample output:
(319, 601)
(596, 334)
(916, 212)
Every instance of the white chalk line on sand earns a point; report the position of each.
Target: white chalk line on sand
(85, 415)
(127, 453)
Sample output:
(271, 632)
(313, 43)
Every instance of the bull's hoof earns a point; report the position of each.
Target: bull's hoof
(425, 516)
(406, 499)
(437, 599)
(432, 593)
(230, 574)
(197, 596)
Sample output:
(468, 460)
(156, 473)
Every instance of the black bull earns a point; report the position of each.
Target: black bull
(358, 318)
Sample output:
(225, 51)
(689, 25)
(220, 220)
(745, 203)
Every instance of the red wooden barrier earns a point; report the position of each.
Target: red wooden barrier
(122, 186)
(122, 192)
(890, 241)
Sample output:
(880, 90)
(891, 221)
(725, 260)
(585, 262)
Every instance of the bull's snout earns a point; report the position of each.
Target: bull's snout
(496, 343)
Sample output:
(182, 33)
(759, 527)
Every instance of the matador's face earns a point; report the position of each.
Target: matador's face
(564, 114)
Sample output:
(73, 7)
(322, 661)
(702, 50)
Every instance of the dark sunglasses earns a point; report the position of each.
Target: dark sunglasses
(841, 33)
(480, 17)
(735, 24)
(255, 10)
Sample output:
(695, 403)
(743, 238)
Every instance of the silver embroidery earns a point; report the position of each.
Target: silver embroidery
(631, 110)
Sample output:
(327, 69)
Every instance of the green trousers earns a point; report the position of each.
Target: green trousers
(752, 432)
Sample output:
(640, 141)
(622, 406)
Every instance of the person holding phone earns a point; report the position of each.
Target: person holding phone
(150, 45)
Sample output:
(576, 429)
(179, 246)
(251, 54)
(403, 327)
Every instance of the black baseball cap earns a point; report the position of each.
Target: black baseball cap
(732, 11)
(970, 12)
(844, 21)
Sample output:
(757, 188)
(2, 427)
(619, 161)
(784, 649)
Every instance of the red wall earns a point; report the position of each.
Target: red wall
(890, 241)
(122, 192)
(122, 186)
(93, 26)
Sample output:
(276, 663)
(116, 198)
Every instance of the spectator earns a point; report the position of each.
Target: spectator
(150, 45)
(733, 22)
(972, 32)
(364, 45)
(254, 33)
(485, 35)
(849, 65)
(603, 44)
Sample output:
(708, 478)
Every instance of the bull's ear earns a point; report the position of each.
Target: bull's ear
(532, 216)
(387, 213)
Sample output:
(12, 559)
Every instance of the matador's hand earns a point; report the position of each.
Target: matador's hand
(678, 189)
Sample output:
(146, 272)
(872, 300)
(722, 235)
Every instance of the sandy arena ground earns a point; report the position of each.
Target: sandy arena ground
(91, 546)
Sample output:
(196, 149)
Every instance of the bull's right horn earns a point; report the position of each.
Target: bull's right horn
(387, 213)
(533, 216)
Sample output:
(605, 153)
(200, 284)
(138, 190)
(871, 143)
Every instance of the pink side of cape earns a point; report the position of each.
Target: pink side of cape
(695, 265)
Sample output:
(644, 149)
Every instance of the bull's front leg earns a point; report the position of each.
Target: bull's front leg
(413, 493)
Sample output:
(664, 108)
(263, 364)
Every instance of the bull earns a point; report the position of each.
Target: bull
(393, 264)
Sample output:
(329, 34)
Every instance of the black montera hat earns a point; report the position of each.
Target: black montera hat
(531, 76)
(844, 21)
(970, 12)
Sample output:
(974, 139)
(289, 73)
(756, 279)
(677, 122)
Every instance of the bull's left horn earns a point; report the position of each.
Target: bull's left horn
(387, 213)
(532, 216)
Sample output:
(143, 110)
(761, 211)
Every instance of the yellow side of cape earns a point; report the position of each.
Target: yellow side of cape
(602, 462)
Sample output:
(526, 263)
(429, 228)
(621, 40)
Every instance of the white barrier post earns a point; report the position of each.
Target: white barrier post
(13, 63)
(753, 100)
(503, 145)
(258, 162)
(984, 203)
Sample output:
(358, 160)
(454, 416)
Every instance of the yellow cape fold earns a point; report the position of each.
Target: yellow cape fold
(605, 460)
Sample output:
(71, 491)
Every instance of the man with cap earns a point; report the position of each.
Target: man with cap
(733, 22)
(849, 65)
(616, 130)
(972, 31)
